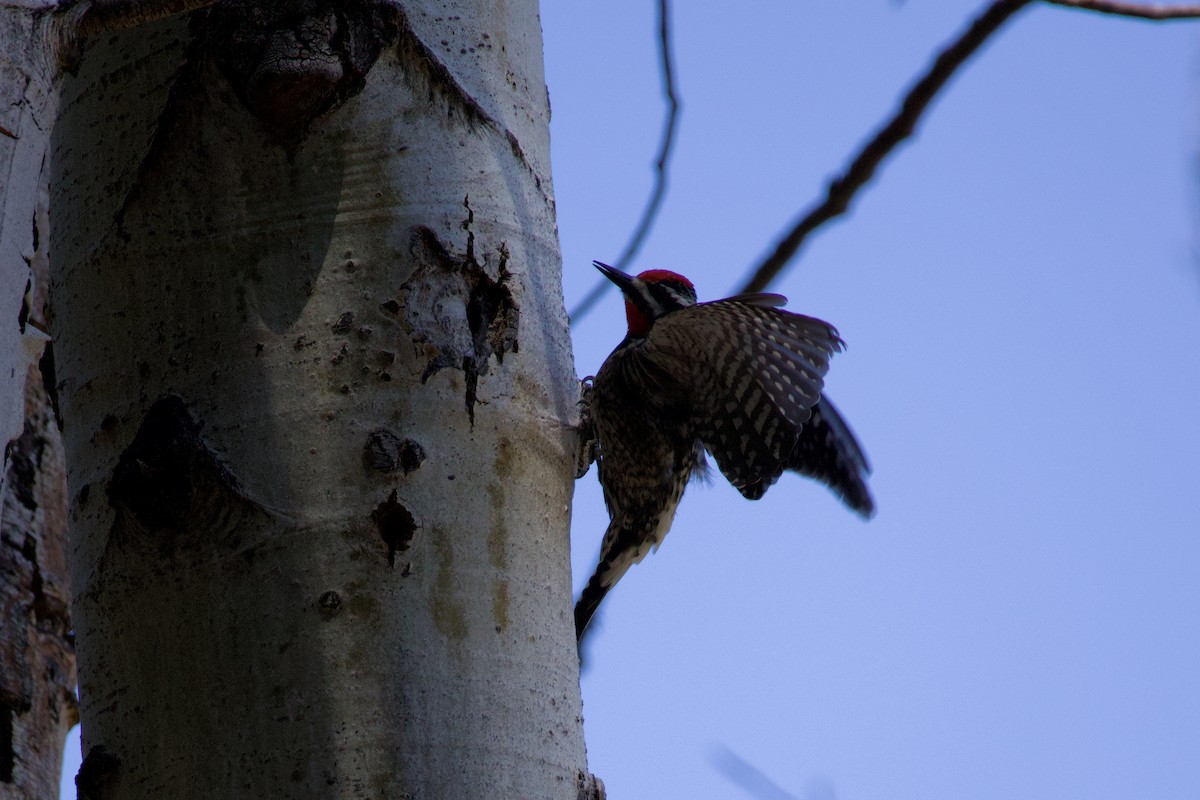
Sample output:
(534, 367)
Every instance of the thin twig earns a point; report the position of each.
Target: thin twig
(660, 165)
(844, 187)
(1151, 12)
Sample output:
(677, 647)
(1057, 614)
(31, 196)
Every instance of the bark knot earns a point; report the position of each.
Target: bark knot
(169, 482)
(395, 524)
(386, 452)
(289, 62)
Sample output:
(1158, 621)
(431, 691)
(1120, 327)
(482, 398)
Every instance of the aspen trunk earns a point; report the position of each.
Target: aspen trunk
(37, 660)
(318, 396)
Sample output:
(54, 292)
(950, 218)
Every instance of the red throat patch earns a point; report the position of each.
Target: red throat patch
(639, 323)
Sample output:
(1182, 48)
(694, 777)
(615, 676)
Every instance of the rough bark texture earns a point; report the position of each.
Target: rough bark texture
(37, 653)
(37, 661)
(318, 395)
(27, 108)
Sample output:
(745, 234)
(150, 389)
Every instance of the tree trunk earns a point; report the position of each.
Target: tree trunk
(27, 108)
(37, 654)
(37, 660)
(318, 398)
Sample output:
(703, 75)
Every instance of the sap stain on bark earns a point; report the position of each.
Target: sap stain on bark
(386, 452)
(99, 776)
(289, 62)
(500, 604)
(396, 526)
(449, 613)
(456, 311)
(497, 545)
(169, 482)
(497, 541)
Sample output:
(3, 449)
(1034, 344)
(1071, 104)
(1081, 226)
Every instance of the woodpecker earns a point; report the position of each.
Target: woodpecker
(739, 378)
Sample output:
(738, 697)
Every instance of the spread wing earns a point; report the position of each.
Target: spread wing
(755, 372)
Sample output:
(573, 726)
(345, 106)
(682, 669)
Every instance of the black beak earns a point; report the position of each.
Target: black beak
(615, 275)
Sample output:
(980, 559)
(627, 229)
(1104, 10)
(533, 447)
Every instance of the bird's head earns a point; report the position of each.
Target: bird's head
(649, 295)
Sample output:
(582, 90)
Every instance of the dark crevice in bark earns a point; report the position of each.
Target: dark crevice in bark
(23, 312)
(171, 487)
(395, 524)
(8, 756)
(99, 775)
(290, 62)
(24, 457)
(50, 382)
(444, 285)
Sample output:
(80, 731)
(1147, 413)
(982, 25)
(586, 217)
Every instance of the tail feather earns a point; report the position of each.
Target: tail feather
(589, 600)
(624, 545)
(828, 451)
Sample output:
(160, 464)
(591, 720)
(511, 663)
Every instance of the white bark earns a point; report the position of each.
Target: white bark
(27, 108)
(262, 608)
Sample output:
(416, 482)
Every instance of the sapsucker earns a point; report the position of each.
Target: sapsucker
(739, 378)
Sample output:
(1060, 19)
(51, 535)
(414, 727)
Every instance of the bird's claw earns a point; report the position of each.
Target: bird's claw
(588, 443)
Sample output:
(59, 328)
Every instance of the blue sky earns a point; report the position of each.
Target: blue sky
(1020, 292)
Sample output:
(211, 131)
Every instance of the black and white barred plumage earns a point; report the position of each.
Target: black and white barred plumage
(739, 378)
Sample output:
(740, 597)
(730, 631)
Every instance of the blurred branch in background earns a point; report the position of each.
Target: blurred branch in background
(660, 179)
(844, 187)
(746, 776)
(1151, 12)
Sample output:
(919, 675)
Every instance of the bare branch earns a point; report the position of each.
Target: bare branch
(660, 181)
(844, 187)
(1151, 12)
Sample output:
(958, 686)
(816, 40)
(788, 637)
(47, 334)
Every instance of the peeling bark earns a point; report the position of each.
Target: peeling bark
(37, 653)
(37, 659)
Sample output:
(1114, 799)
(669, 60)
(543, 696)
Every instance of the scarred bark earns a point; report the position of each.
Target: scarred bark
(37, 653)
(318, 399)
(37, 661)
